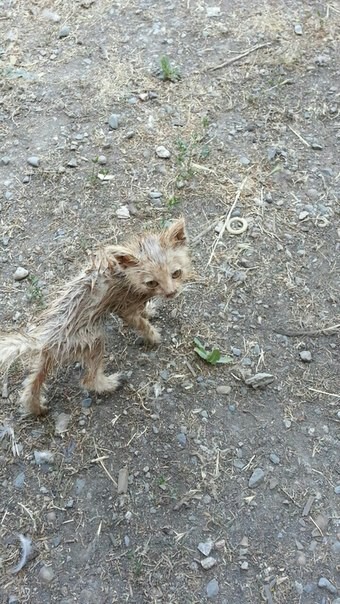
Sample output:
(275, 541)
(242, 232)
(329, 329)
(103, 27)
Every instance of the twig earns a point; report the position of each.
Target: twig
(103, 466)
(4, 391)
(291, 333)
(220, 235)
(299, 136)
(324, 392)
(238, 57)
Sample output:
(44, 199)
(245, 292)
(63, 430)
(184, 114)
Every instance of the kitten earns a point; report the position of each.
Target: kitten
(122, 279)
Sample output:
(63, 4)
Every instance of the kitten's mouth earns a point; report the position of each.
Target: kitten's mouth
(172, 295)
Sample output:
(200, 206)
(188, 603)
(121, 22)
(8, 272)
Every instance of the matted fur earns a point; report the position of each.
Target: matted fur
(120, 279)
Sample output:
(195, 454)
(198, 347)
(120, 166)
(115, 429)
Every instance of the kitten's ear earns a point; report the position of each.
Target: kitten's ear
(176, 233)
(125, 258)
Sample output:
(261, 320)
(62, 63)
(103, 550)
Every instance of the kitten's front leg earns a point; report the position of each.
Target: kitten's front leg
(138, 322)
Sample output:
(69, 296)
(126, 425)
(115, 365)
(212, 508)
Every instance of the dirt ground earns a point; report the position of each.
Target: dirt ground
(245, 96)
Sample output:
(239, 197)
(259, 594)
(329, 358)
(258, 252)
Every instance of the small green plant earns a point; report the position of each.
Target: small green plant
(173, 201)
(168, 72)
(182, 151)
(204, 152)
(34, 292)
(213, 356)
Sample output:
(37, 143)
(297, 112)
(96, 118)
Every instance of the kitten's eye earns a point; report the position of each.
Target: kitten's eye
(176, 274)
(151, 284)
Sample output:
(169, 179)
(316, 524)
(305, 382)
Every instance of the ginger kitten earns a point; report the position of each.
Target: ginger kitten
(120, 279)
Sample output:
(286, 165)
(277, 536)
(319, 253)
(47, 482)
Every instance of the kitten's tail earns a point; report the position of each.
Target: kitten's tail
(15, 346)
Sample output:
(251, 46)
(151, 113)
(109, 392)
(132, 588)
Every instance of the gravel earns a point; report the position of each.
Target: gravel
(337, 489)
(114, 120)
(33, 161)
(102, 160)
(223, 389)
(256, 478)
(306, 356)
(162, 152)
(326, 584)
(205, 548)
(212, 588)
(274, 459)
(46, 574)
(20, 273)
(64, 31)
(208, 563)
(4, 161)
(41, 457)
(182, 439)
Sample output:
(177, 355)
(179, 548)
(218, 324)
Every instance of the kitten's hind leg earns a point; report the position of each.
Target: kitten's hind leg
(31, 398)
(94, 377)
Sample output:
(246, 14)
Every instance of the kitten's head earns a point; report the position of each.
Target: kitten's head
(156, 265)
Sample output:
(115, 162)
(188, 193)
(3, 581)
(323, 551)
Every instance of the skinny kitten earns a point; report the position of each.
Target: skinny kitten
(119, 279)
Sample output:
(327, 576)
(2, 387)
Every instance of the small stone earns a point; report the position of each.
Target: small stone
(46, 574)
(62, 422)
(274, 459)
(123, 212)
(244, 565)
(208, 563)
(205, 548)
(130, 134)
(155, 194)
(86, 402)
(33, 161)
(162, 152)
(287, 423)
(64, 31)
(298, 29)
(244, 161)
(223, 389)
(79, 486)
(41, 457)
(102, 160)
(259, 380)
(13, 600)
(213, 11)
(114, 121)
(303, 215)
(20, 273)
(19, 480)
(316, 146)
(212, 588)
(69, 503)
(256, 478)
(127, 541)
(219, 545)
(323, 582)
(123, 478)
(50, 15)
(51, 516)
(305, 356)
(182, 439)
(337, 489)
(236, 352)
(72, 163)
(4, 161)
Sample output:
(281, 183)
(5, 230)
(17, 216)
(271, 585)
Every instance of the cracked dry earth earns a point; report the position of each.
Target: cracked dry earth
(230, 492)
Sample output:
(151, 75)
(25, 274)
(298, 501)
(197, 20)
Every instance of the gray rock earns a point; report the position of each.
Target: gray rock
(316, 146)
(64, 31)
(256, 478)
(46, 574)
(336, 548)
(309, 588)
(102, 160)
(72, 163)
(324, 583)
(212, 588)
(259, 380)
(236, 352)
(244, 161)
(155, 194)
(80, 484)
(61, 423)
(337, 489)
(274, 459)
(20, 273)
(162, 152)
(223, 389)
(208, 563)
(4, 161)
(33, 161)
(182, 439)
(19, 480)
(114, 121)
(305, 356)
(205, 548)
(50, 15)
(43, 457)
(86, 402)
(130, 134)
(298, 29)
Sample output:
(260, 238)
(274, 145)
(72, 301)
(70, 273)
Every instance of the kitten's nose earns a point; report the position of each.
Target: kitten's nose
(171, 294)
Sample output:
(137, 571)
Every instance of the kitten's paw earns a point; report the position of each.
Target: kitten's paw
(153, 337)
(33, 406)
(108, 383)
(151, 308)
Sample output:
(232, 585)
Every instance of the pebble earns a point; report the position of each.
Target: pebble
(61, 423)
(51, 516)
(274, 459)
(5, 160)
(236, 352)
(244, 161)
(19, 480)
(123, 478)
(337, 489)
(33, 161)
(304, 214)
(50, 15)
(208, 563)
(316, 146)
(259, 380)
(79, 486)
(86, 402)
(223, 389)
(205, 548)
(212, 588)
(72, 163)
(41, 457)
(298, 29)
(64, 31)
(123, 212)
(244, 565)
(20, 273)
(162, 152)
(323, 582)
(130, 134)
(305, 356)
(256, 478)
(46, 574)
(114, 121)
(155, 194)
(102, 160)
(182, 439)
